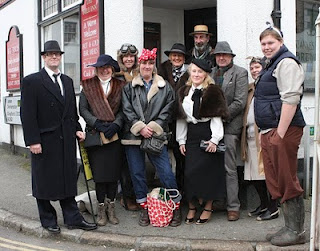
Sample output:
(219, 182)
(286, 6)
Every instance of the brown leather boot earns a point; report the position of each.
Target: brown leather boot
(110, 209)
(176, 219)
(102, 217)
(132, 205)
(144, 218)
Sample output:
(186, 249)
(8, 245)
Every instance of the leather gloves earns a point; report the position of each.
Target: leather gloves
(100, 126)
(111, 130)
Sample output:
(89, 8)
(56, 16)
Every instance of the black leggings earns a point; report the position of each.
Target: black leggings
(265, 198)
(106, 189)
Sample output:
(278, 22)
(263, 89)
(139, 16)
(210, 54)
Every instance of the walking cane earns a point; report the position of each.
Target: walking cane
(86, 172)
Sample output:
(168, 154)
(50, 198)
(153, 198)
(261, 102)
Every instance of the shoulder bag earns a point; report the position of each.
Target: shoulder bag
(155, 143)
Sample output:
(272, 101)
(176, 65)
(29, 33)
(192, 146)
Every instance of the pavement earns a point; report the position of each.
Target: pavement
(18, 210)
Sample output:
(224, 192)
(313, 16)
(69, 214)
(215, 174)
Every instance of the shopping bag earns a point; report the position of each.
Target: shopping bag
(161, 206)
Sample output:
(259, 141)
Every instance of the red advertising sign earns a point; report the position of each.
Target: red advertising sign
(90, 46)
(14, 59)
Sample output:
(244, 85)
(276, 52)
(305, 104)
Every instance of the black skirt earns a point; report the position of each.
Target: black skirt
(106, 161)
(205, 175)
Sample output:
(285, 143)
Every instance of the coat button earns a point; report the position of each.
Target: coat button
(61, 137)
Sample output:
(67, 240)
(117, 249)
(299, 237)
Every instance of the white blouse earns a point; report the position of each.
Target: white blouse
(216, 124)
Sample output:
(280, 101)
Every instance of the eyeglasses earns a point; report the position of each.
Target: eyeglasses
(125, 48)
(53, 53)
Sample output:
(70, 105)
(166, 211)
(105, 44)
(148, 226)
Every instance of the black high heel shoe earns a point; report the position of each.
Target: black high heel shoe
(203, 221)
(189, 221)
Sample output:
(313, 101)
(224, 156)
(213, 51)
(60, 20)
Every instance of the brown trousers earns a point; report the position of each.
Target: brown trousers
(281, 163)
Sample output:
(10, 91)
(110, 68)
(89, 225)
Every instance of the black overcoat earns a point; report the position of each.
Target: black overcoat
(52, 120)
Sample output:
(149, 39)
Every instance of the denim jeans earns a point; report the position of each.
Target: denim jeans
(137, 166)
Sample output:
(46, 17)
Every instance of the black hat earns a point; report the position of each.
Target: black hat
(51, 45)
(106, 60)
(178, 48)
(205, 65)
(223, 47)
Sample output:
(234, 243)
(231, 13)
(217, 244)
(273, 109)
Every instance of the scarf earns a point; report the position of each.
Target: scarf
(206, 52)
(218, 76)
(176, 73)
(103, 107)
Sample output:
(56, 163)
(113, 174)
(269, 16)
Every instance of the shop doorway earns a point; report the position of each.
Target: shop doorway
(152, 38)
(207, 16)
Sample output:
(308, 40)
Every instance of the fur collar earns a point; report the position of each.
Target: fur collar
(103, 107)
(213, 103)
(165, 70)
(158, 83)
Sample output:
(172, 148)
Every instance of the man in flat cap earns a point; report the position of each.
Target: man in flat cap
(50, 127)
(202, 48)
(233, 80)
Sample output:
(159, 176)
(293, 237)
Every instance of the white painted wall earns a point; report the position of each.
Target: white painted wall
(123, 24)
(172, 26)
(14, 14)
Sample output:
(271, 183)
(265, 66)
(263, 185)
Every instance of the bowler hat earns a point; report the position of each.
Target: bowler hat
(106, 60)
(203, 64)
(51, 46)
(178, 48)
(223, 47)
(200, 28)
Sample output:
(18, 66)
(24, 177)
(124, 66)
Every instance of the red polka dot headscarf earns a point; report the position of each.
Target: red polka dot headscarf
(148, 55)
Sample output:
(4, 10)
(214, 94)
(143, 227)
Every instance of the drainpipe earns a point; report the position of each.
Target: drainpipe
(276, 14)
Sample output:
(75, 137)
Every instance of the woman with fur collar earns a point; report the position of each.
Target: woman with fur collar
(202, 107)
(99, 105)
(127, 57)
(174, 70)
(156, 98)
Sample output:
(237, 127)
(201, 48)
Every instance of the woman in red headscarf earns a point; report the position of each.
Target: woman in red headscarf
(156, 97)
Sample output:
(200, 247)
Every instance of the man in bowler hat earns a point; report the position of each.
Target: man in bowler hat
(233, 80)
(202, 48)
(50, 126)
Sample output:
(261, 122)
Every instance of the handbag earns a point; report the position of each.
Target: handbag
(221, 147)
(161, 206)
(92, 138)
(155, 143)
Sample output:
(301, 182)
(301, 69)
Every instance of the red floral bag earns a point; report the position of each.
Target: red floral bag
(161, 206)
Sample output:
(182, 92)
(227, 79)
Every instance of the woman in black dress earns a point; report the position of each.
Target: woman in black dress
(201, 109)
(100, 102)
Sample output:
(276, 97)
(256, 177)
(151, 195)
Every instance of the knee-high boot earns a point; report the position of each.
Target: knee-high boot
(293, 233)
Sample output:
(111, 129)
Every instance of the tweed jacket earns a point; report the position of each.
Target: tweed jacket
(235, 88)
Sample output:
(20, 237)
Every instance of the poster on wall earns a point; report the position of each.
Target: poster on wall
(12, 110)
(90, 36)
(14, 60)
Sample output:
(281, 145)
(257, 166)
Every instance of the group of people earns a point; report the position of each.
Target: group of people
(202, 104)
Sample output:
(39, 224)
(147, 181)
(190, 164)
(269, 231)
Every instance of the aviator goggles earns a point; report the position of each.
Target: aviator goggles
(125, 48)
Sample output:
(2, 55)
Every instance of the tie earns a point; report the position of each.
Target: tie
(56, 81)
(196, 102)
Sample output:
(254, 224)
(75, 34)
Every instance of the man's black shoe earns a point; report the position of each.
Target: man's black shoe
(53, 229)
(83, 225)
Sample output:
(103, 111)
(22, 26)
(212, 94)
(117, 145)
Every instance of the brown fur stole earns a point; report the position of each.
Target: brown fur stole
(213, 103)
(104, 107)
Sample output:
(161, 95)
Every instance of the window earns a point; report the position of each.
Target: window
(70, 32)
(307, 12)
(70, 3)
(49, 7)
(66, 31)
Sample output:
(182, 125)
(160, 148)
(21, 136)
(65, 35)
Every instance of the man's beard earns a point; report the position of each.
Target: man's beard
(201, 47)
